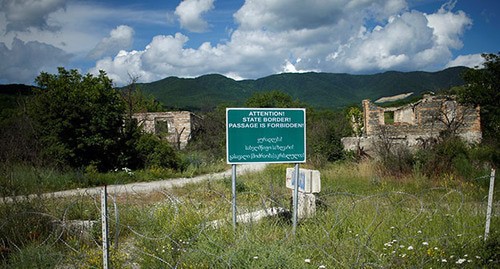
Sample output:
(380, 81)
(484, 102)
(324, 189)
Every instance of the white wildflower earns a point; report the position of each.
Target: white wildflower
(425, 243)
(410, 248)
(307, 260)
(321, 267)
(444, 260)
(255, 257)
(460, 261)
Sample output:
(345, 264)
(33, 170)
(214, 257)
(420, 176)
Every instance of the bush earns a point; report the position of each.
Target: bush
(454, 156)
(155, 152)
(324, 131)
(77, 119)
(209, 137)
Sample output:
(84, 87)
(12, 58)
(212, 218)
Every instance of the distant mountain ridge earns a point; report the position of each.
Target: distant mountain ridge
(320, 90)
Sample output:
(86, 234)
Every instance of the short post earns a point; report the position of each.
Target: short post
(295, 198)
(104, 222)
(490, 205)
(233, 177)
(309, 183)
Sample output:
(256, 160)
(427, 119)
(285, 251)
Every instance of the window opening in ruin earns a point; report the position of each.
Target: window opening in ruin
(389, 117)
(161, 127)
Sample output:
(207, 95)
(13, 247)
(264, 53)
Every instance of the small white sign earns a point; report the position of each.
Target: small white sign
(309, 180)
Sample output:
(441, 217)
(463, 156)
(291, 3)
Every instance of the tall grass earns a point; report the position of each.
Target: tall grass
(25, 179)
(362, 221)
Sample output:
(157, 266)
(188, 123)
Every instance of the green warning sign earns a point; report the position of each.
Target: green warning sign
(265, 135)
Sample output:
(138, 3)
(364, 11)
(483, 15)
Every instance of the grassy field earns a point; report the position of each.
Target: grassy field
(363, 221)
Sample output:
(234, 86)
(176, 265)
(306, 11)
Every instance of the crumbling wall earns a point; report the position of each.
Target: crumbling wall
(427, 117)
(174, 126)
(417, 122)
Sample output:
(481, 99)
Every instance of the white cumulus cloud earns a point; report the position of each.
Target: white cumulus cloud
(274, 36)
(190, 14)
(471, 60)
(120, 38)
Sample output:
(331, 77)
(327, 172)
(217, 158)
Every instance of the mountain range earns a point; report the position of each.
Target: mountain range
(319, 90)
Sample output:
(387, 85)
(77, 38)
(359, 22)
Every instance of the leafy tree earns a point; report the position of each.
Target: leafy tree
(272, 99)
(355, 117)
(324, 130)
(482, 87)
(136, 101)
(78, 119)
(210, 136)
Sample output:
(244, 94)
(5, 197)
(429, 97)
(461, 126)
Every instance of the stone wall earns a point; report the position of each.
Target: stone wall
(175, 126)
(428, 117)
(415, 123)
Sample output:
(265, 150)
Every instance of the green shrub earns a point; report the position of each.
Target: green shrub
(155, 152)
(454, 156)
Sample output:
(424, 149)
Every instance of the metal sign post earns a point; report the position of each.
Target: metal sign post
(295, 198)
(104, 222)
(265, 135)
(490, 205)
(234, 194)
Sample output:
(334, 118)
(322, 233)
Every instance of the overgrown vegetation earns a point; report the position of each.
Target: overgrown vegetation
(405, 209)
(362, 220)
(483, 88)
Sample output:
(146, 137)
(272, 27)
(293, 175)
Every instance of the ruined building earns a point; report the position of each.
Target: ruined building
(416, 124)
(176, 127)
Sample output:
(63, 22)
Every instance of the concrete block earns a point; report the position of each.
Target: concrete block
(306, 207)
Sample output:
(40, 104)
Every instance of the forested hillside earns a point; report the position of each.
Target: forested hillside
(322, 90)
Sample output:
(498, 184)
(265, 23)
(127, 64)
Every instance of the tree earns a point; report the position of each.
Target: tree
(325, 128)
(272, 99)
(136, 101)
(78, 119)
(482, 87)
(210, 136)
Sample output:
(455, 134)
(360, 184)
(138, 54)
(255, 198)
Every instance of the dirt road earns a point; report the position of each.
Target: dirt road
(141, 187)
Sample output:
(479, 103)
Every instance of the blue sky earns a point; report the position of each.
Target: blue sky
(241, 39)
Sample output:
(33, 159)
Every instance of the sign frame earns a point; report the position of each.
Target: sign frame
(273, 135)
